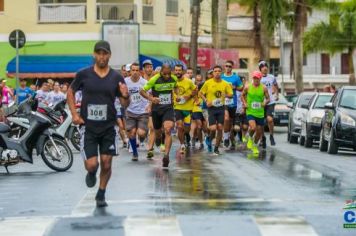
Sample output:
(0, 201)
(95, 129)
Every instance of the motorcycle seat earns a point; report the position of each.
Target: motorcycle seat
(4, 128)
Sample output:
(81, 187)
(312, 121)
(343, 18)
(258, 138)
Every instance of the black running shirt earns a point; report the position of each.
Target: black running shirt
(98, 98)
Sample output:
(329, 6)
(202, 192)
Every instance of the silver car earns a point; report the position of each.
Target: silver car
(296, 115)
(311, 123)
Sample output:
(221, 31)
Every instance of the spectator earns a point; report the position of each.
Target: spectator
(55, 96)
(64, 88)
(43, 92)
(7, 94)
(23, 92)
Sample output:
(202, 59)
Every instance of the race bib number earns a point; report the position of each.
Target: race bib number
(256, 105)
(181, 100)
(217, 103)
(165, 99)
(229, 101)
(136, 98)
(97, 112)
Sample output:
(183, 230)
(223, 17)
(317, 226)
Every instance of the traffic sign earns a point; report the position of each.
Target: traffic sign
(20, 36)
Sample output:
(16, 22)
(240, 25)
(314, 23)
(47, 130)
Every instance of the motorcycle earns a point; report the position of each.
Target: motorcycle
(54, 152)
(60, 117)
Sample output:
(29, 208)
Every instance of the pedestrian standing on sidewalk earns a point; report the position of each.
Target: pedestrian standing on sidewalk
(99, 84)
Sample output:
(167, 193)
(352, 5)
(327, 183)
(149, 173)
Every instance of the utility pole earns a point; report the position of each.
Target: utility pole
(194, 35)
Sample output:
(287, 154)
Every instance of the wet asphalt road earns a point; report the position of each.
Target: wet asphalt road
(286, 190)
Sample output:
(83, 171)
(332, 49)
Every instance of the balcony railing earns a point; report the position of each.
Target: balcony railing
(147, 14)
(62, 13)
(116, 12)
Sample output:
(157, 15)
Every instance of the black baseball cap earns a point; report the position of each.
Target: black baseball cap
(102, 45)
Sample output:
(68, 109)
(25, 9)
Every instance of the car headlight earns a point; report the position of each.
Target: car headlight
(347, 120)
(316, 120)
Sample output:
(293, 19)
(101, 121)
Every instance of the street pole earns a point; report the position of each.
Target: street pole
(17, 65)
(194, 35)
(281, 50)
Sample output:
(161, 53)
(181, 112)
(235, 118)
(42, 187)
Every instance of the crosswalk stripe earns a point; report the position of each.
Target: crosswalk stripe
(25, 226)
(278, 226)
(86, 205)
(158, 226)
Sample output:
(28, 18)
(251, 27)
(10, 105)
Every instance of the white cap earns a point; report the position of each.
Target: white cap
(128, 67)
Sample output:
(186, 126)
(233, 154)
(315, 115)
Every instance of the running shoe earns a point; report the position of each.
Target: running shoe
(165, 161)
(271, 138)
(216, 151)
(90, 179)
(101, 203)
(150, 154)
(249, 143)
(182, 148)
(124, 145)
(263, 141)
(134, 158)
(162, 147)
(255, 149)
(201, 147)
(244, 140)
(226, 143)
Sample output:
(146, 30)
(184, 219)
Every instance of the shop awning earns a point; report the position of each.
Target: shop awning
(159, 60)
(45, 66)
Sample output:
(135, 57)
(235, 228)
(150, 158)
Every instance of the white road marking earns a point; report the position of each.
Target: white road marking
(25, 226)
(86, 205)
(280, 226)
(142, 226)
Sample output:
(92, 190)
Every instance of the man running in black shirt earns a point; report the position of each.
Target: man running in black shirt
(99, 85)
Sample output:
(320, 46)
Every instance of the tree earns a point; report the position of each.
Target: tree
(271, 13)
(337, 35)
(219, 23)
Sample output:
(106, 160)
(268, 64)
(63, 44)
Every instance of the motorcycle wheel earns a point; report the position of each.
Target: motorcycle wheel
(75, 138)
(61, 161)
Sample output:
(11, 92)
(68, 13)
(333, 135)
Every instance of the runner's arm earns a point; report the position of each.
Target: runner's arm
(243, 96)
(267, 98)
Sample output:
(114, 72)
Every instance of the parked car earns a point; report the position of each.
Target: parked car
(311, 123)
(339, 122)
(292, 98)
(281, 112)
(296, 114)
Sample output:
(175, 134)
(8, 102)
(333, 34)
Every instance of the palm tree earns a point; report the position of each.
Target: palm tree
(270, 13)
(337, 35)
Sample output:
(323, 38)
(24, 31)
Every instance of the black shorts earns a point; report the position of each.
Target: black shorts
(182, 115)
(269, 110)
(259, 121)
(216, 115)
(198, 116)
(241, 119)
(232, 112)
(103, 143)
(162, 115)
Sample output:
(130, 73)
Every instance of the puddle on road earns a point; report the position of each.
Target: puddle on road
(193, 187)
(310, 174)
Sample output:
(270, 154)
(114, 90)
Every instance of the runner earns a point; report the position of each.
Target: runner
(162, 86)
(214, 92)
(271, 83)
(240, 118)
(55, 96)
(147, 74)
(100, 85)
(198, 121)
(183, 105)
(120, 122)
(231, 103)
(254, 97)
(136, 112)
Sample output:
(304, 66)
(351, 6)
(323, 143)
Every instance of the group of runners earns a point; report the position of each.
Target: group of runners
(220, 110)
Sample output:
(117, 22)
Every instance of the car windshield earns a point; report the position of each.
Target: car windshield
(305, 99)
(348, 99)
(321, 100)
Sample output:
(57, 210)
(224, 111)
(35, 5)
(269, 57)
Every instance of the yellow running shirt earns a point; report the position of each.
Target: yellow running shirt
(215, 92)
(184, 87)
